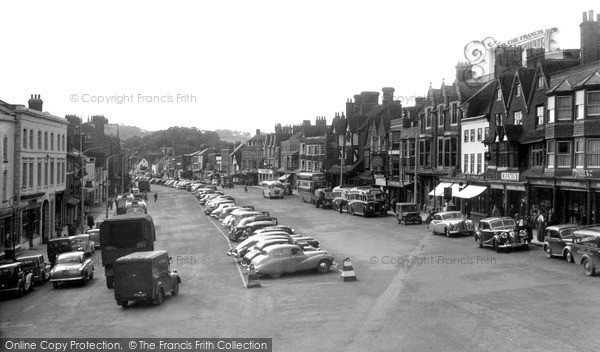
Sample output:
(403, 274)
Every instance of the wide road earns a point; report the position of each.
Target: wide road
(415, 291)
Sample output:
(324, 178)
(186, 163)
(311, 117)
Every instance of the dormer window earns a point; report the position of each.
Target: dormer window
(540, 82)
(518, 90)
(498, 94)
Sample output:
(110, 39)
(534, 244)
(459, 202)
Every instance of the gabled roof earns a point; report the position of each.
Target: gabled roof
(567, 79)
(591, 80)
(480, 103)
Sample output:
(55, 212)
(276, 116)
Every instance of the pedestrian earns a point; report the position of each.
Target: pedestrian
(90, 221)
(155, 196)
(110, 203)
(245, 187)
(467, 210)
(541, 225)
(445, 207)
(495, 211)
(393, 204)
(430, 216)
(512, 211)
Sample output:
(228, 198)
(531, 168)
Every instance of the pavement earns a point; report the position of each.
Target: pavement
(98, 212)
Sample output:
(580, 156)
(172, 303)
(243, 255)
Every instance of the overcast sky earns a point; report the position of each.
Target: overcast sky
(246, 65)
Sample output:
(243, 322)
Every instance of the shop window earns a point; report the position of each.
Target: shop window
(593, 152)
(563, 154)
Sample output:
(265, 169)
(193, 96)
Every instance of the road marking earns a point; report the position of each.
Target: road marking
(228, 243)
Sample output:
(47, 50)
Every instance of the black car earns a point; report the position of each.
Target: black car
(13, 279)
(36, 265)
(408, 213)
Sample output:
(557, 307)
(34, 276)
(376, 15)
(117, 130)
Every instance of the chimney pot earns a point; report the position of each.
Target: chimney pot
(584, 16)
(591, 15)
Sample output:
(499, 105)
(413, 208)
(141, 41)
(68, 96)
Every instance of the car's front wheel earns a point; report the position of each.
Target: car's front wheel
(446, 232)
(496, 247)
(548, 251)
(175, 291)
(55, 285)
(323, 266)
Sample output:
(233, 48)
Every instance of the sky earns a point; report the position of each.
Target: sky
(247, 65)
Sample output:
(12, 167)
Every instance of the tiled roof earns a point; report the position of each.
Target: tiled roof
(573, 75)
(532, 136)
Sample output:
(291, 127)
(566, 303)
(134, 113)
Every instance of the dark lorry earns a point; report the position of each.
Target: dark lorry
(122, 235)
(144, 276)
(144, 185)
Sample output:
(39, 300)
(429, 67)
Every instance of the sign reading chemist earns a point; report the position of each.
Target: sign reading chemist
(509, 176)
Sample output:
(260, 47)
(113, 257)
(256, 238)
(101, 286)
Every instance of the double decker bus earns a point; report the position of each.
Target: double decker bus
(308, 182)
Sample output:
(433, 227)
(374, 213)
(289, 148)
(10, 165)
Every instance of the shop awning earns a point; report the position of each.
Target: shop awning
(439, 189)
(284, 177)
(470, 192)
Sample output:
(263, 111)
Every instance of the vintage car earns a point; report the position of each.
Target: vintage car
(227, 211)
(144, 276)
(408, 213)
(500, 233)
(261, 245)
(288, 189)
(365, 208)
(322, 198)
(13, 279)
(451, 223)
(243, 247)
(84, 244)
(285, 228)
(227, 182)
(239, 219)
(556, 238)
(72, 266)
(584, 250)
(59, 245)
(272, 189)
(36, 265)
(95, 235)
(289, 258)
(246, 229)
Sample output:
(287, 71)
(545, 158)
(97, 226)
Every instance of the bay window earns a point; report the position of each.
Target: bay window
(592, 154)
(593, 105)
(564, 108)
(579, 150)
(551, 101)
(551, 153)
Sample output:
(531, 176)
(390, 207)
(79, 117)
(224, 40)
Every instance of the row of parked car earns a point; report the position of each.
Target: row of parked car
(270, 248)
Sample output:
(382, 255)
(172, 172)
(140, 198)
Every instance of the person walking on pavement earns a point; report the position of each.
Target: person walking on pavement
(155, 196)
(90, 221)
(495, 211)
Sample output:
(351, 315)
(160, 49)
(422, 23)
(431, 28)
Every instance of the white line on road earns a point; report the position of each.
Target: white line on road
(226, 239)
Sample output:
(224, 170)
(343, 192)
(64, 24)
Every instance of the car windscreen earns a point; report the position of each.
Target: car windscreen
(60, 245)
(27, 264)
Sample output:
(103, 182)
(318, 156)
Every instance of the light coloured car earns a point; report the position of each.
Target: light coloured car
(84, 244)
(72, 266)
(95, 236)
(290, 258)
(451, 223)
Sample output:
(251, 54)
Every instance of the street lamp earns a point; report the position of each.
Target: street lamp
(82, 173)
(13, 240)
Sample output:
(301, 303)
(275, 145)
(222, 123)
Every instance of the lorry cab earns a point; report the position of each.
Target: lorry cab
(144, 276)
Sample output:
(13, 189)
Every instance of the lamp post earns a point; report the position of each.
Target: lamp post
(13, 240)
(82, 173)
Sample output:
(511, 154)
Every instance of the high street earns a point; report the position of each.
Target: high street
(415, 291)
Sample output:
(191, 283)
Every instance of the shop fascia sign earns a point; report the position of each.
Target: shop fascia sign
(509, 176)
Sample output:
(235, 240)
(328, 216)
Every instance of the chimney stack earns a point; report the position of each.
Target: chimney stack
(257, 132)
(35, 102)
(590, 38)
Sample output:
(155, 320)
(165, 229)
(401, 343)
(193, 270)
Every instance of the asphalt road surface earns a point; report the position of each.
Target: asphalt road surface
(415, 291)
